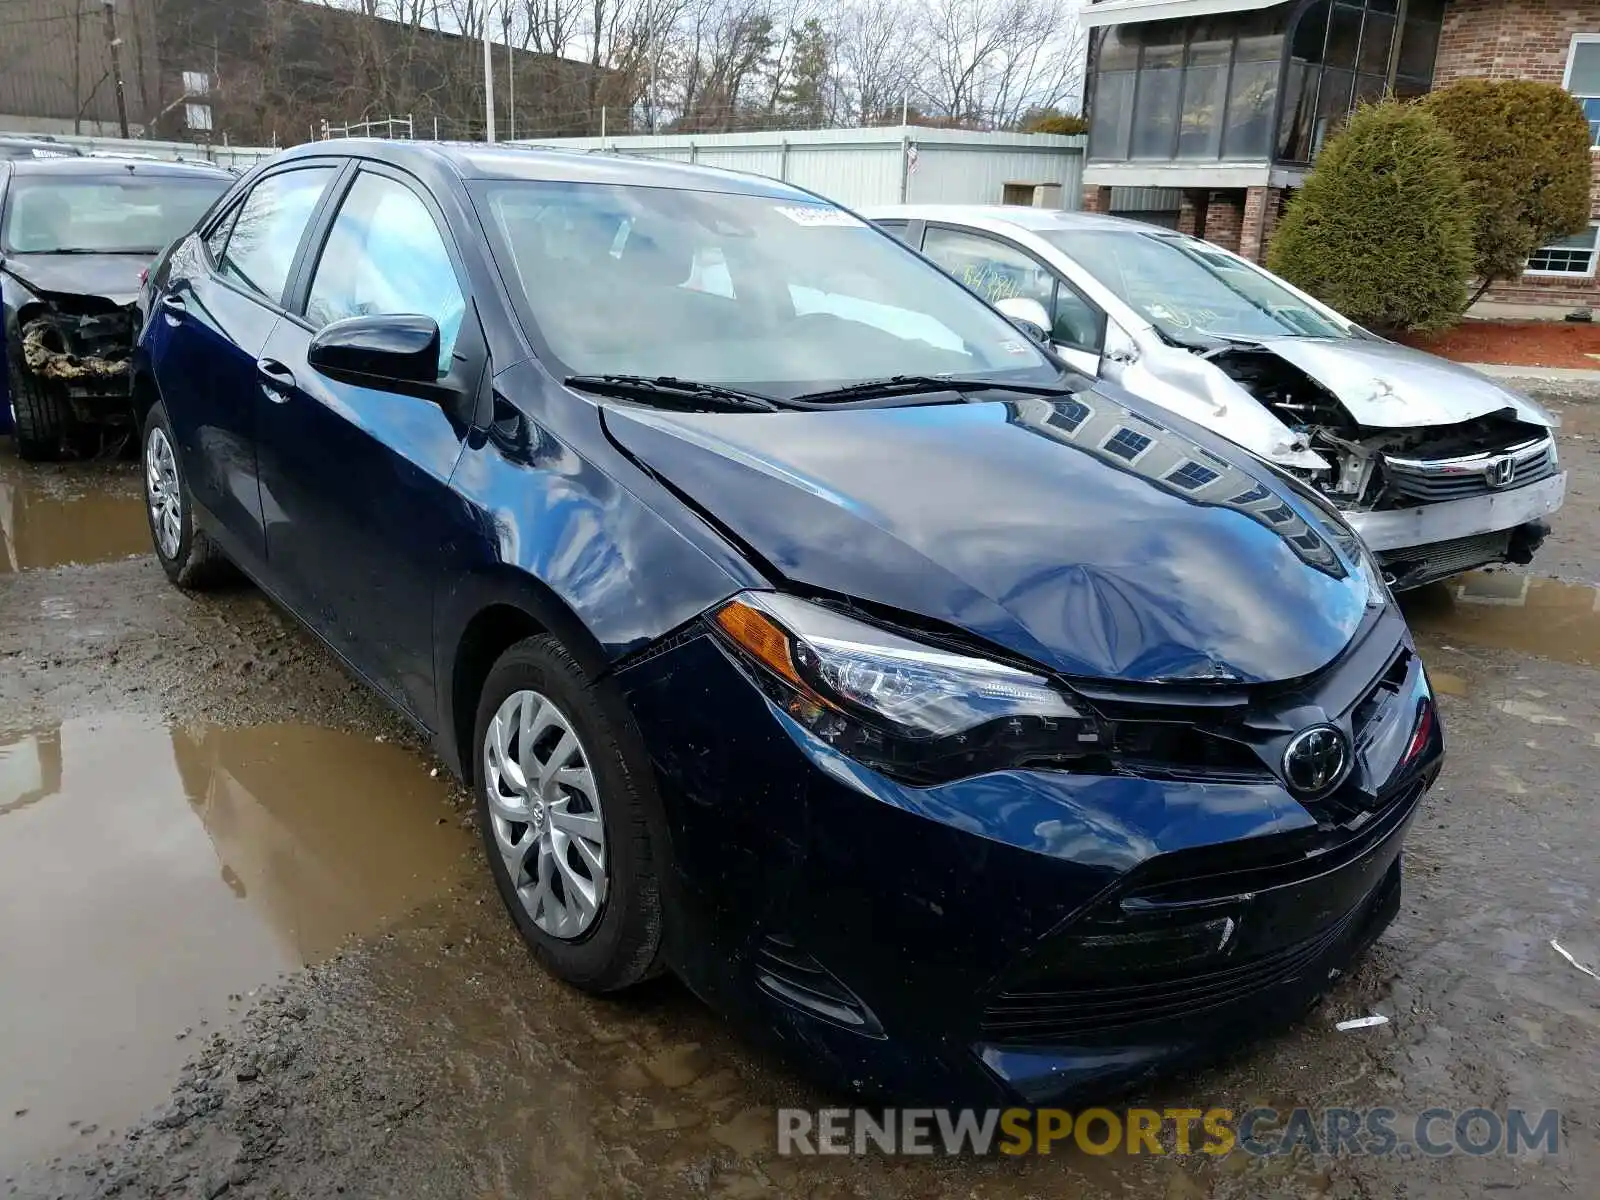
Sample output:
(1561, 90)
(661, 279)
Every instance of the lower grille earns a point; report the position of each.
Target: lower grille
(1048, 1017)
(1413, 566)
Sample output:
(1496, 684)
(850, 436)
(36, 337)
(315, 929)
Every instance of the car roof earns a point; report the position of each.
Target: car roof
(140, 167)
(1033, 219)
(475, 160)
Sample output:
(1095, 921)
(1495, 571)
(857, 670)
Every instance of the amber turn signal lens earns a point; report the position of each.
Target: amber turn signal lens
(762, 638)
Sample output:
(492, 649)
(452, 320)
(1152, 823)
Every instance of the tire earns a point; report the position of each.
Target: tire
(190, 558)
(41, 418)
(621, 945)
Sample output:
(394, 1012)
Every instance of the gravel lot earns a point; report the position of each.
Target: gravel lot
(247, 949)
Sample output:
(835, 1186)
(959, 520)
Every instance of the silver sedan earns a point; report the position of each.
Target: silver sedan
(1438, 468)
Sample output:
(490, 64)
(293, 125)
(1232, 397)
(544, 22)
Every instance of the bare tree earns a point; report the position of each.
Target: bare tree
(879, 58)
(988, 61)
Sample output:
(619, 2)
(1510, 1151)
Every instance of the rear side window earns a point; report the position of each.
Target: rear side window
(268, 229)
(386, 257)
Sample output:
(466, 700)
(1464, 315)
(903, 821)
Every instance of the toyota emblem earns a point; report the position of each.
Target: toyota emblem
(1502, 472)
(1316, 760)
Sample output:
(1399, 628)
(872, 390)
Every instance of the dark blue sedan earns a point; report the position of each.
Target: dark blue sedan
(973, 730)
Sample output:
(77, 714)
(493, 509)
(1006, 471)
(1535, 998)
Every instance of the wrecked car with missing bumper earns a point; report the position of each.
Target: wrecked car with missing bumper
(1438, 468)
(76, 234)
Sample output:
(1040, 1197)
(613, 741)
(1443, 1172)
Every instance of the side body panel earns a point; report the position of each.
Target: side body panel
(203, 359)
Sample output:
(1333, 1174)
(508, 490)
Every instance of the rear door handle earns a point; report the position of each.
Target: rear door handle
(276, 379)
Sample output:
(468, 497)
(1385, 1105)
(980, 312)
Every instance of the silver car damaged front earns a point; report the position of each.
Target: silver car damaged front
(1440, 469)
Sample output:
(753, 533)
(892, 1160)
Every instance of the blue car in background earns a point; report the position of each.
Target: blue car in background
(973, 731)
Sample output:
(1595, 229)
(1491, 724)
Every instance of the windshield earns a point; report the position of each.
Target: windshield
(1184, 288)
(104, 214)
(775, 294)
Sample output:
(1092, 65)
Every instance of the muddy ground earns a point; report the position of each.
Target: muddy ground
(247, 947)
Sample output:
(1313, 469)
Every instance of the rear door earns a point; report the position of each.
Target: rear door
(358, 478)
(997, 269)
(224, 295)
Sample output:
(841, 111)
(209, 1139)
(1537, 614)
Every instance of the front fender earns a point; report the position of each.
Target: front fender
(561, 526)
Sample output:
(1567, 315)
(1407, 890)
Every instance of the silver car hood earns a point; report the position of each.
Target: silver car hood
(1384, 385)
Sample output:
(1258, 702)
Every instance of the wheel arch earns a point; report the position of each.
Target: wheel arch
(478, 623)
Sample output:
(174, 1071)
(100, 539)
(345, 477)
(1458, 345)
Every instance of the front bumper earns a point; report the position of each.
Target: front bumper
(1025, 935)
(1453, 520)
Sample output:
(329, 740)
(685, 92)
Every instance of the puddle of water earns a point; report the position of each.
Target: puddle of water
(42, 530)
(148, 872)
(1511, 612)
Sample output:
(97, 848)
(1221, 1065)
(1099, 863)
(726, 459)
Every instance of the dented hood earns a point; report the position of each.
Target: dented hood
(1388, 386)
(111, 277)
(1017, 523)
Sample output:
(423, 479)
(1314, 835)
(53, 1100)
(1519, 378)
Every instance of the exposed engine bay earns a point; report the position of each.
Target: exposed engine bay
(71, 357)
(1377, 469)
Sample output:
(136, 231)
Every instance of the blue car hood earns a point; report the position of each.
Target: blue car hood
(1077, 532)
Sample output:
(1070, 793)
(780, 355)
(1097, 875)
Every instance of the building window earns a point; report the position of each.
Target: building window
(1069, 415)
(1192, 89)
(196, 83)
(1254, 496)
(1570, 256)
(1192, 476)
(1583, 79)
(1127, 444)
(197, 117)
(1348, 52)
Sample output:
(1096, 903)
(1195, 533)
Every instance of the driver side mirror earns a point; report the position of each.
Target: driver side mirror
(1029, 316)
(388, 353)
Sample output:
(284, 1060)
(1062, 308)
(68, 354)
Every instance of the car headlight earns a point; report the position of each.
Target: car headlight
(903, 707)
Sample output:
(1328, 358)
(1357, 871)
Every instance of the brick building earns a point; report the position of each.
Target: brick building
(1218, 107)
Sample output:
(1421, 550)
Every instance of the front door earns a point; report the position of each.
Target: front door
(221, 304)
(355, 480)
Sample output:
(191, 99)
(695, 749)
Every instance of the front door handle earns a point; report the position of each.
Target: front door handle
(173, 307)
(277, 379)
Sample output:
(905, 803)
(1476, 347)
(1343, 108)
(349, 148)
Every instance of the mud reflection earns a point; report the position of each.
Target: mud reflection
(147, 873)
(1510, 611)
(38, 529)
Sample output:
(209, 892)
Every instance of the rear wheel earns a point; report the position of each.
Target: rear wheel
(187, 554)
(40, 415)
(569, 818)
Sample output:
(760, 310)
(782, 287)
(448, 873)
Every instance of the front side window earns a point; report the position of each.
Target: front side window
(997, 271)
(385, 256)
(125, 213)
(1583, 79)
(784, 295)
(1191, 291)
(1567, 256)
(267, 234)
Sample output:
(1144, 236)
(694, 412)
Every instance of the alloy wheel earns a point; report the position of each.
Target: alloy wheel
(545, 811)
(162, 493)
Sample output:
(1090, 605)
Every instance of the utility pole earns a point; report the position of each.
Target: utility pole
(511, 78)
(115, 43)
(488, 79)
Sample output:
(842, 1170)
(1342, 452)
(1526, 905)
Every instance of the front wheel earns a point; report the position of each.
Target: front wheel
(569, 818)
(41, 417)
(187, 554)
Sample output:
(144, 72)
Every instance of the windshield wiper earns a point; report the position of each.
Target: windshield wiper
(681, 393)
(907, 385)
